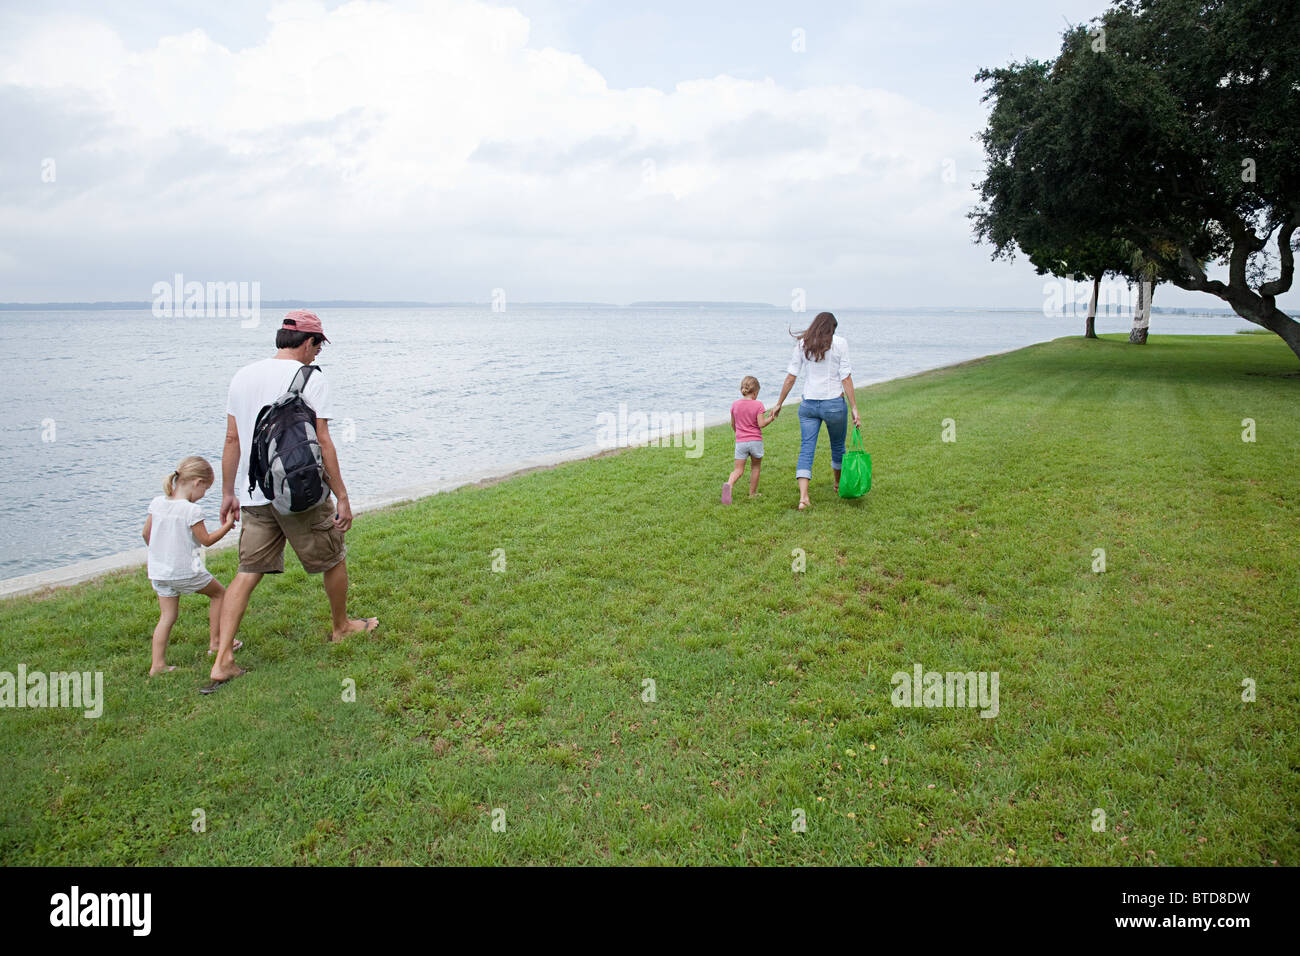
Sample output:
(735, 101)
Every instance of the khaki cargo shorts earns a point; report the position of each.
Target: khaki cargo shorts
(318, 544)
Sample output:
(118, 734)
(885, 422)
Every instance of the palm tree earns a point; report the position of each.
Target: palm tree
(1146, 272)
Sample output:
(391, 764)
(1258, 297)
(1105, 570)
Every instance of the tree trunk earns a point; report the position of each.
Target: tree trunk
(1257, 306)
(1090, 330)
(1142, 314)
(1286, 327)
(1273, 319)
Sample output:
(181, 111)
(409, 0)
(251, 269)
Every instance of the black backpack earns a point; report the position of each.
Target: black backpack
(285, 463)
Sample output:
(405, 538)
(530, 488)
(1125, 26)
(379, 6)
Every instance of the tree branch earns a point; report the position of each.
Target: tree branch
(1270, 290)
(1245, 242)
(1194, 278)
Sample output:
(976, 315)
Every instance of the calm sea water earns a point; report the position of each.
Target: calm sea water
(99, 406)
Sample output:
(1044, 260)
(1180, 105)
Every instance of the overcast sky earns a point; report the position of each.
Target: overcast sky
(602, 150)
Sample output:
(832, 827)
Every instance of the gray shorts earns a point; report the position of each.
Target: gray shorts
(181, 586)
(749, 449)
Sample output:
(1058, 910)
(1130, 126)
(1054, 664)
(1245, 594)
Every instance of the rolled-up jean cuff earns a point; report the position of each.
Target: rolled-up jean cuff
(803, 473)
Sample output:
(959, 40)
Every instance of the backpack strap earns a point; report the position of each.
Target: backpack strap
(305, 372)
(256, 458)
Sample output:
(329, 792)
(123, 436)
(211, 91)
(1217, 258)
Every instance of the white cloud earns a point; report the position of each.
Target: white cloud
(390, 125)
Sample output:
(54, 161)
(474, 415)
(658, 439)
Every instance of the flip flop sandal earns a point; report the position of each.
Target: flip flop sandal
(213, 686)
(237, 646)
(726, 494)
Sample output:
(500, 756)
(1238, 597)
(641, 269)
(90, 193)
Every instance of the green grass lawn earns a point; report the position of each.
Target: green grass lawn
(523, 690)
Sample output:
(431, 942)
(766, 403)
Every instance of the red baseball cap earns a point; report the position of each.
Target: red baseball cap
(300, 320)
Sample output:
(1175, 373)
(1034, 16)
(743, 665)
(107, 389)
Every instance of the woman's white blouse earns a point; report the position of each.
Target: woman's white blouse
(822, 379)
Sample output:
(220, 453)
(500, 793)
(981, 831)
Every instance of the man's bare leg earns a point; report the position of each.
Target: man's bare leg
(232, 612)
(336, 589)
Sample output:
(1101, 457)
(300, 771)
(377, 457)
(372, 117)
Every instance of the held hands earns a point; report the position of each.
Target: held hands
(229, 509)
(342, 514)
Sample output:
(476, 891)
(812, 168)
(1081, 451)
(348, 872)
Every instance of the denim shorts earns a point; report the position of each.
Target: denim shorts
(749, 449)
(176, 588)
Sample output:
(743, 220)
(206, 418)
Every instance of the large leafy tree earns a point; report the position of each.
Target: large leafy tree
(1033, 197)
(1170, 126)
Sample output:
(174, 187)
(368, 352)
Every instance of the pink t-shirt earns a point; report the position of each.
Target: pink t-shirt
(746, 411)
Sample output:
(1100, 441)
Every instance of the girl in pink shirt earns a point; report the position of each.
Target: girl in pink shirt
(748, 419)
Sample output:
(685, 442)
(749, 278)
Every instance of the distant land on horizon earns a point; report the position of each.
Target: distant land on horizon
(396, 304)
(102, 306)
(699, 304)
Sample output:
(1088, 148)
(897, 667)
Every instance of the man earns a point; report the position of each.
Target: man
(317, 533)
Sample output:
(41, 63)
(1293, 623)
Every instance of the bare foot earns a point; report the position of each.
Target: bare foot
(161, 670)
(236, 646)
(221, 676)
(364, 625)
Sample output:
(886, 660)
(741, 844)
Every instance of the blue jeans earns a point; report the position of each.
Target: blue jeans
(812, 412)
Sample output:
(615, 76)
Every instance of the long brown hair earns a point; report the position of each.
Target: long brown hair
(817, 337)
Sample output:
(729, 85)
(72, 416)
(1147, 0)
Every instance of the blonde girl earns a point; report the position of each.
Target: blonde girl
(748, 419)
(176, 535)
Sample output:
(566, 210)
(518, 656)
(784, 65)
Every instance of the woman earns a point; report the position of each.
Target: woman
(822, 357)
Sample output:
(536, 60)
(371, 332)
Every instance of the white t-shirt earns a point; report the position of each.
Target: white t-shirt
(253, 388)
(173, 553)
(822, 380)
